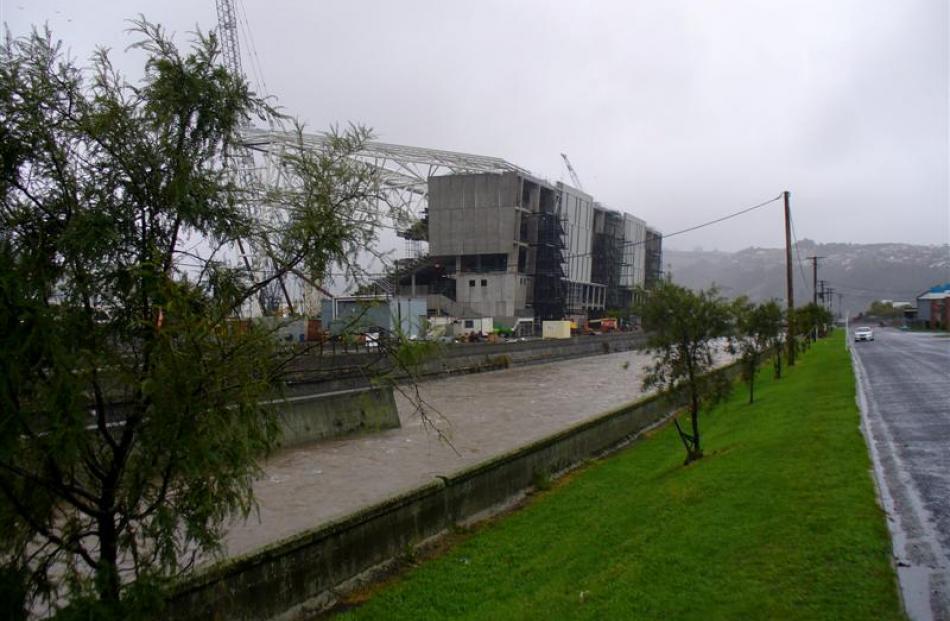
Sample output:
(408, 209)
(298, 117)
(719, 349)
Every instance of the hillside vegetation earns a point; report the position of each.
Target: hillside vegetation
(862, 272)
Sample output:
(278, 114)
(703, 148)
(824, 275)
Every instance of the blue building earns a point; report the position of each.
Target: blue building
(933, 307)
(374, 313)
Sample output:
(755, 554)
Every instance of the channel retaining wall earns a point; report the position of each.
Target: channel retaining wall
(330, 415)
(315, 373)
(300, 574)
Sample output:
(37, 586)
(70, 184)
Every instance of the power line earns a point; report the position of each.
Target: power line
(692, 228)
(838, 285)
(637, 243)
(256, 66)
(801, 267)
(722, 219)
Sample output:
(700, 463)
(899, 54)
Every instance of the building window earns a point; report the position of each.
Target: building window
(471, 283)
(481, 263)
(484, 282)
(469, 323)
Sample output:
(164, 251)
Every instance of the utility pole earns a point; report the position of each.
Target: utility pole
(789, 285)
(814, 291)
(814, 279)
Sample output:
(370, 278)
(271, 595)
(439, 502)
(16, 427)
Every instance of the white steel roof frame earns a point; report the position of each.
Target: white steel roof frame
(402, 167)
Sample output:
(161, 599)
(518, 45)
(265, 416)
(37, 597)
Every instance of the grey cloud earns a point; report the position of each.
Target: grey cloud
(676, 110)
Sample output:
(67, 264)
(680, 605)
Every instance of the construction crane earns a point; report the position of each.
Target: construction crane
(241, 161)
(573, 173)
(228, 34)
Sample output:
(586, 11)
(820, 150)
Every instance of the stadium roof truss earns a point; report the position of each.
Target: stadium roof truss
(404, 170)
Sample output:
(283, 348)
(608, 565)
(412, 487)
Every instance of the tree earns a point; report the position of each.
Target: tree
(884, 310)
(778, 344)
(814, 318)
(130, 399)
(685, 328)
(758, 334)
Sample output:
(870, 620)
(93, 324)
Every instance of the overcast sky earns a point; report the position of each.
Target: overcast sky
(678, 111)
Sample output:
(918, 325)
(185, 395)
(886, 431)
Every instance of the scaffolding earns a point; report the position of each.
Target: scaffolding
(654, 259)
(550, 285)
(607, 265)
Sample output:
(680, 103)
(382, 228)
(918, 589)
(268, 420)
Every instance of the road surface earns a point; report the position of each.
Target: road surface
(904, 391)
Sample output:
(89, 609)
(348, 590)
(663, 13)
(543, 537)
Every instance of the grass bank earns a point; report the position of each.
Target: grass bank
(779, 520)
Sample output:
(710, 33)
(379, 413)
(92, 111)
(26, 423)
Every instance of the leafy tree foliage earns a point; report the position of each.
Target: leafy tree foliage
(813, 321)
(884, 310)
(758, 334)
(686, 329)
(130, 401)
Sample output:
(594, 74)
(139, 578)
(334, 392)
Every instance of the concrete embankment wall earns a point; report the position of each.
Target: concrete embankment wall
(331, 396)
(300, 573)
(330, 415)
(315, 373)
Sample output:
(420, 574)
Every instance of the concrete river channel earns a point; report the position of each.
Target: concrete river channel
(482, 415)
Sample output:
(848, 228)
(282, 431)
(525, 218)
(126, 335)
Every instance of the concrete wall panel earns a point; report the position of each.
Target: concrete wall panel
(472, 214)
(316, 417)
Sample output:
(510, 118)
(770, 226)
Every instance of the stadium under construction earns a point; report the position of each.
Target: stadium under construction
(502, 243)
(519, 249)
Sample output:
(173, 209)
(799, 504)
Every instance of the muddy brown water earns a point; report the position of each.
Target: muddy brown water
(483, 415)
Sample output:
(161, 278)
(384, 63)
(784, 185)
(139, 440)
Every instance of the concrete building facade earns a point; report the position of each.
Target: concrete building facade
(634, 252)
(576, 210)
(480, 229)
(517, 246)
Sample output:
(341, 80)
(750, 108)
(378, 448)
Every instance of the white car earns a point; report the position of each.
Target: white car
(371, 339)
(863, 334)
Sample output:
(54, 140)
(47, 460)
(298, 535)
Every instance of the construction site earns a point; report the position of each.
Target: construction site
(435, 245)
(256, 370)
(484, 241)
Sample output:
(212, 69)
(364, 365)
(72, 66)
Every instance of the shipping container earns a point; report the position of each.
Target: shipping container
(556, 329)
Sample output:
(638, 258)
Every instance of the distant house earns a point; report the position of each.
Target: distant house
(908, 311)
(933, 307)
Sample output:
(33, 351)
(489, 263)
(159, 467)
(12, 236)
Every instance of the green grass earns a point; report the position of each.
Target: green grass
(778, 521)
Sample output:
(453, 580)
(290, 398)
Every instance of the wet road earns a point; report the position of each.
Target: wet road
(484, 415)
(904, 379)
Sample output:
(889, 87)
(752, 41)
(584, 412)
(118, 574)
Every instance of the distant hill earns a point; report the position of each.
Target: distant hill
(861, 272)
